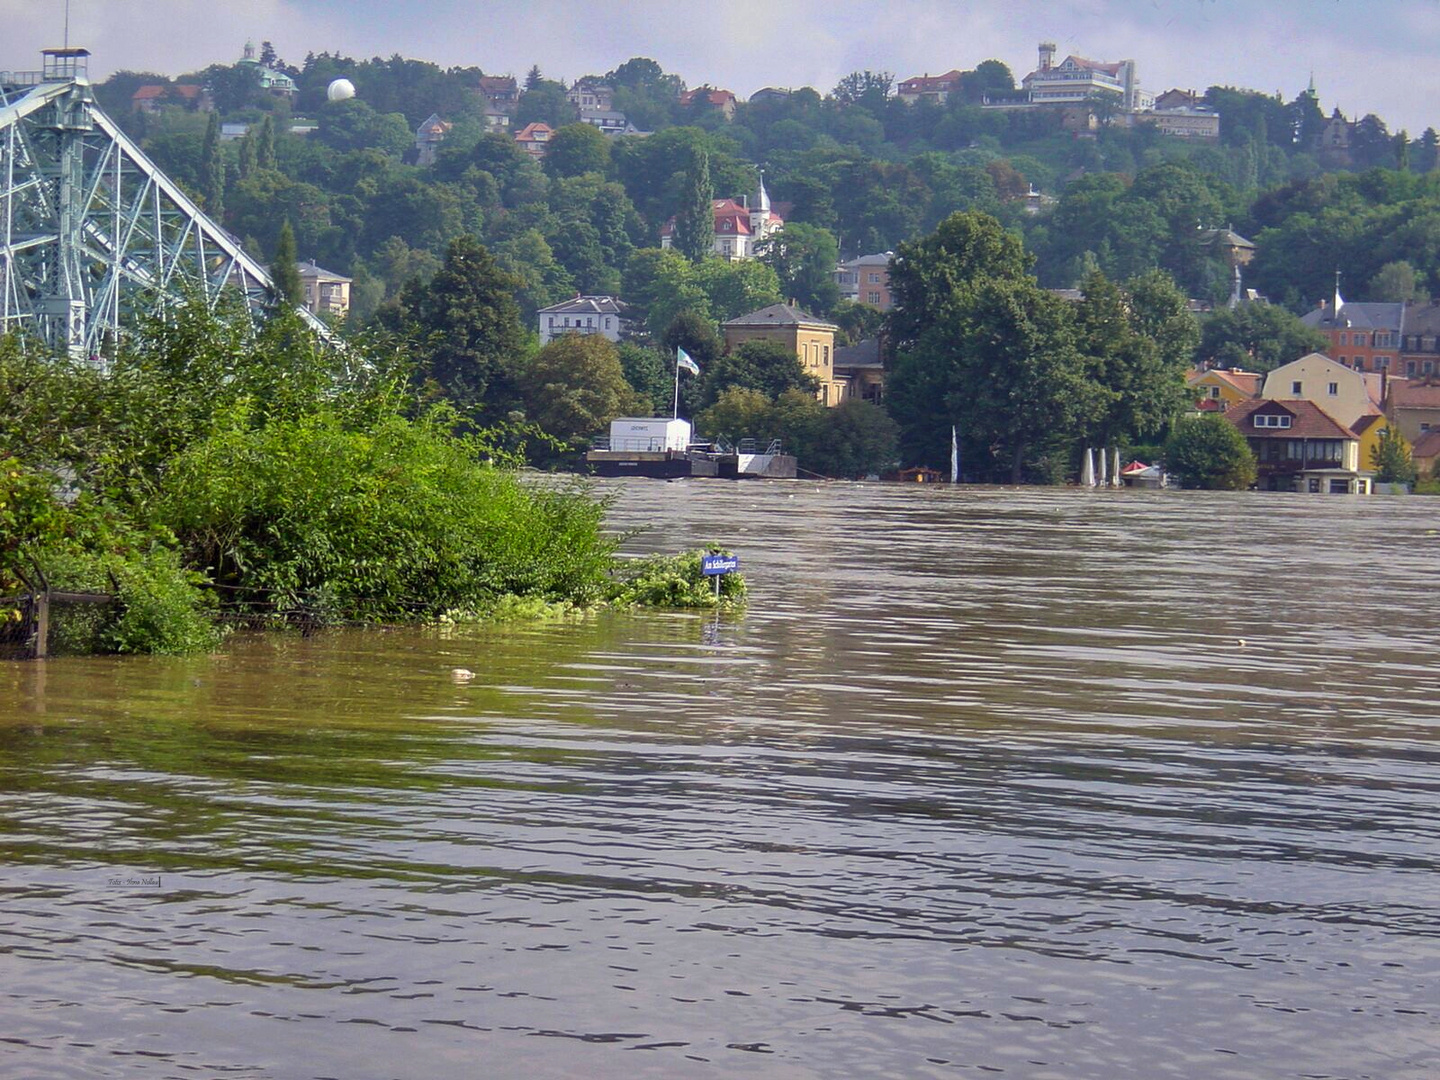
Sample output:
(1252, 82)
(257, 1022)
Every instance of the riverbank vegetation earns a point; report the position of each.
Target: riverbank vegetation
(460, 252)
(222, 468)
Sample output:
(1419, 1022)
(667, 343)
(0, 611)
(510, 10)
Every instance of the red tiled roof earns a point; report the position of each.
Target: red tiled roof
(531, 132)
(1094, 65)
(714, 97)
(154, 91)
(1308, 420)
(731, 219)
(1427, 445)
(922, 83)
(1364, 423)
(1414, 394)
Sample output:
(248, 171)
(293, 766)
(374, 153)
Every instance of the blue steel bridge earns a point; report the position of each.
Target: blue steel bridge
(91, 232)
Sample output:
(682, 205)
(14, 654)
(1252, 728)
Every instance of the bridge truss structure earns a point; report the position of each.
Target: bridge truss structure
(92, 233)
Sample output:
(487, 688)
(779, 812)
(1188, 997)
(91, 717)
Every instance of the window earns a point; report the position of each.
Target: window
(1409, 367)
(872, 297)
(1342, 360)
(827, 355)
(1382, 363)
(1271, 421)
(1215, 392)
(1427, 368)
(874, 279)
(1345, 339)
(1334, 389)
(1295, 388)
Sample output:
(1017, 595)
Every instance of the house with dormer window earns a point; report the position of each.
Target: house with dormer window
(1298, 446)
(741, 226)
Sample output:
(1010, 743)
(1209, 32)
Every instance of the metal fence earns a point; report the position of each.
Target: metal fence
(45, 623)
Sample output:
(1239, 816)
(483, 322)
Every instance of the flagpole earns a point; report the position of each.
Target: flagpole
(675, 415)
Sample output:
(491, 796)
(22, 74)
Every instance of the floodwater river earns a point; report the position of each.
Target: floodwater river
(1038, 784)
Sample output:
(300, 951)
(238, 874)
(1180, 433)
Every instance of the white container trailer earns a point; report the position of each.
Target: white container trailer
(649, 434)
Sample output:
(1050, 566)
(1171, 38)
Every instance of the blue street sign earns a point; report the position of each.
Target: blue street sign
(711, 565)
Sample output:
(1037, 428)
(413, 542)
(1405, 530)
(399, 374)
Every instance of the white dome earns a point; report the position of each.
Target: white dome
(340, 90)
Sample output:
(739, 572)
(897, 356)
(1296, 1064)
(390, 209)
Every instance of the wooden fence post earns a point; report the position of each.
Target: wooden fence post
(41, 607)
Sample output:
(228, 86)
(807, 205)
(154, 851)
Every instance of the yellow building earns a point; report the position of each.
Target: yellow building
(812, 339)
(326, 293)
(1343, 392)
(1227, 386)
(1369, 428)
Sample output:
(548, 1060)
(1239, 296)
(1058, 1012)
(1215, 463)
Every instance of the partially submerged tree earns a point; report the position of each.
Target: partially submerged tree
(1209, 452)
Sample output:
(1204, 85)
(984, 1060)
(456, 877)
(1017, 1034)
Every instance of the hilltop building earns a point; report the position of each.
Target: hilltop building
(1366, 337)
(1075, 80)
(428, 137)
(152, 97)
(500, 92)
(722, 101)
(741, 226)
(534, 139)
(601, 315)
(1420, 341)
(1413, 406)
(866, 280)
(271, 80)
(936, 89)
(591, 93)
(326, 293)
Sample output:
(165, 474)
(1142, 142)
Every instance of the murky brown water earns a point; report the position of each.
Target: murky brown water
(983, 783)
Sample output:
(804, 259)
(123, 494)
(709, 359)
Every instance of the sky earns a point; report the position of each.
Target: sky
(1366, 55)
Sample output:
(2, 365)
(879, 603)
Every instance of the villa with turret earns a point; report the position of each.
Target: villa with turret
(741, 225)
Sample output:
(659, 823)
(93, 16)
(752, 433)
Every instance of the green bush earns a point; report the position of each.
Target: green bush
(1209, 452)
(675, 581)
(401, 521)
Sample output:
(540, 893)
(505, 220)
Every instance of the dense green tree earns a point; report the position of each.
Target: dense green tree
(265, 144)
(576, 149)
(1209, 452)
(1138, 343)
(736, 288)
(1398, 283)
(1255, 337)
(212, 169)
(543, 281)
(355, 125)
(659, 285)
(574, 387)
(248, 161)
(852, 440)
(696, 335)
(285, 269)
(650, 375)
(544, 103)
(868, 89)
(468, 325)
(931, 276)
(767, 366)
(695, 223)
(858, 322)
(804, 258)
(1391, 460)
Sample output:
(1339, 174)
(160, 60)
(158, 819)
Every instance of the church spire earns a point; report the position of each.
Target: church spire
(762, 197)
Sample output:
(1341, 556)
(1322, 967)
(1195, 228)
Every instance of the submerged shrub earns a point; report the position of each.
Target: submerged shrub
(400, 521)
(676, 581)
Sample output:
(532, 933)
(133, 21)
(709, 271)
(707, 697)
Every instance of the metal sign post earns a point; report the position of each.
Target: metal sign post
(717, 566)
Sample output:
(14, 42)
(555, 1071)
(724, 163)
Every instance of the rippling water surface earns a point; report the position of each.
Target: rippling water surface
(1039, 785)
